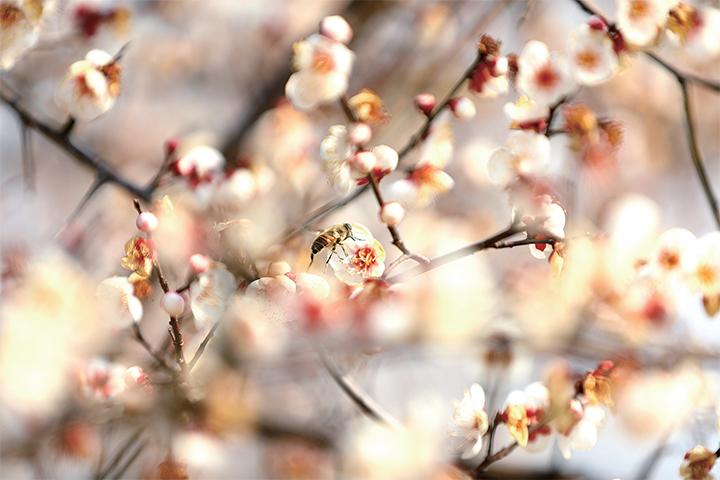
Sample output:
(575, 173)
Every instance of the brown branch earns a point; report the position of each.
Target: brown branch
(491, 242)
(60, 137)
(120, 453)
(203, 345)
(146, 345)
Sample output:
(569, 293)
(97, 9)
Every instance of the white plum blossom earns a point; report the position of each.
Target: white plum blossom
(526, 113)
(463, 108)
(336, 28)
(117, 295)
(543, 76)
(280, 280)
(386, 160)
(671, 251)
(322, 69)
(471, 417)
(200, 163)
(584, 433)
(210, 294)
(90, 87)
(703, 264)
(20, 22)
(361, 259)
(543, 216)
(591, 53)
(702, 40)
(335, 152)
(103, 380)
(525, 154)
(640, 21)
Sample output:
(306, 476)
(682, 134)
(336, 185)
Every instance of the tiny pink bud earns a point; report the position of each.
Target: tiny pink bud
(363, 162)
(597, 23)
(173, 303)
(199, 263)
(360, 133)
(336, 28)
(171, 145)
(392, 213)
(463, 108)
(146, 222)
(425, 102)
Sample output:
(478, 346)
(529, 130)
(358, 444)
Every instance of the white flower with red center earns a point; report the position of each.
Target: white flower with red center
(525, 154)
(471, 417)
(199, 164)
(527, 114)
(20, 23)
(592, 54)
(322, 69)
(543, 76)
(122, 306)
(210, 294)
(702, 40)
(90, 87)
(524, 410)
(703, 264)
(428, 179)
(103, 380)
(360, 259)
(640, 21)
(671, 251)
(583, 434)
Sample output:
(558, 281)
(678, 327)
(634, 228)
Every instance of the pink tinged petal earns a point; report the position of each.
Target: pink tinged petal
(584, 436)
(477, 394)
(499, 167)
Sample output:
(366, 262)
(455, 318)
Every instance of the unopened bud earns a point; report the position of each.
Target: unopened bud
(360, 133)
(425, 102)
(336, 28)
(392, 213)
(463, 108)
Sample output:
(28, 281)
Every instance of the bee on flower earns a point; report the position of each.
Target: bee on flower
(322, 67)
(363, 257)
(90, 87)
(20, 23)
(471, 417)
(543, 76)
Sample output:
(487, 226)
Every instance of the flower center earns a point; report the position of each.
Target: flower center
(638, 9)
(9, 15)
(587, 59)
(322, 62)
(82, 87)
(706, 274)
(669, 259)
(364, 259)
(547, 77)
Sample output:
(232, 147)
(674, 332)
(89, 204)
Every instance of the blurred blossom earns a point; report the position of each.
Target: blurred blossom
(256, 327)
(525, 409)
(91, 16)
(116, 295)
(379, 452)
(103, 380)
(210, 295)
(335, 151)
(584, 433)
(294, 460)
(592, 55)
(203, 454)
(367, 107)
(543, 76)
(640, 21)
(45, 330)
(230, 404)
(697, 464)
(489, 79)
(90, 86)
(527, 114)
(525, 153)
(20, 21)
(322, 68)
(703, 264)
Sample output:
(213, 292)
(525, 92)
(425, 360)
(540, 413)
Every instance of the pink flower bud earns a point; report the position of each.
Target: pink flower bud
(597, 23)
(199, 263)
(392, 213)
(336, 28)
(136, 376)
(363, 162)
(360, 133)
(463, 108)
(146, 222)
(173, 303)
(425, 102)
(171, 145)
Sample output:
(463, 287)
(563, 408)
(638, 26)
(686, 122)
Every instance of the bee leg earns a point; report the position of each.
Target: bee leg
(312, 258)
(343, 249)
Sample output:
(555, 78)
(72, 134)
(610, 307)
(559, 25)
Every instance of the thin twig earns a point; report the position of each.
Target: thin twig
(203, 345)
(60, 137)
(366, 404)
(28, 159)
(131, 459)
(120, 453)
(146, 345)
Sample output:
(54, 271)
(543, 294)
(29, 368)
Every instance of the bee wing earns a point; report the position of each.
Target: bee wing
(313, 230)
(361, 232)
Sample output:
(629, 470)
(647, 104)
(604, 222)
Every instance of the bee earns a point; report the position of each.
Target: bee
(331, 238)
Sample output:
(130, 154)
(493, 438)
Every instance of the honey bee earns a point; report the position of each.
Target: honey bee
(331, 238)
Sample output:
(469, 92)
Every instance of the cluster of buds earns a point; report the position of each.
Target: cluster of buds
(489, 79)
(88, 18)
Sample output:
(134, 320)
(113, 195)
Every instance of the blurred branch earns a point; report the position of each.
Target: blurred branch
(203, 345)
(60, 136)
(117, 458)
(683, 78)
(366, 404)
